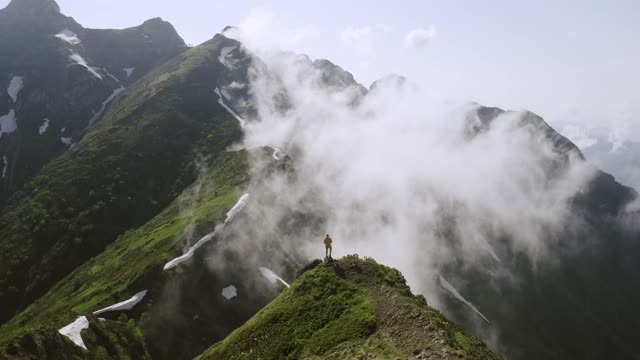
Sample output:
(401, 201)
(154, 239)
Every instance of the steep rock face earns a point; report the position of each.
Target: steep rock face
(570, 302)
(57, 78)
(393, 81)
(344, 309)
(333, 76)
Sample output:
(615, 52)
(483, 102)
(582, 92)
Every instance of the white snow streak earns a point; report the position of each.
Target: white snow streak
(226, 94)
(5, 166)
(68, 36)
(78, 59)
(445, 284)
(491, 251)
(223, 54)
(43, 128)
(112, 76)
(230, 292)
(95, 116)
(236, 85)
(129, 71)
(230, 215)
(189, 254)
(124, 305)
(221, 102)
(15, 85)
(8, 123)
(66, 140)
(72, 331)
(242, 202)
(270, 275)
(276, 153)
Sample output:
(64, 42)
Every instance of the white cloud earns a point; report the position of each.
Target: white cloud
(263, 30)
(352, 33)
(388, 179)
(362, 38)
(621, 131)
(579, 135)
(419, 38)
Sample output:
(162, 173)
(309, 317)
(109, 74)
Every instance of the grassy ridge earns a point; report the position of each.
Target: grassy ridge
(350, 308)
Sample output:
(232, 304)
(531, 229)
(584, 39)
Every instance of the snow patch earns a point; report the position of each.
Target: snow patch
(221, 102)
(66, 140)
(112, 76)
(226, 94)
(15, 85)
(230, 215)
(242, 202)
(230, 292)
(189, 254)
(8, 123)
(236, 85)
(271, 276)
(78, 59)
(129, 71)
(43, 128)
(5, 166)
(124, 305)
(68, 36)
(445, 284)
(72, 331)
(276, 153)
(223, 54)
(491, 251)
(97, 115)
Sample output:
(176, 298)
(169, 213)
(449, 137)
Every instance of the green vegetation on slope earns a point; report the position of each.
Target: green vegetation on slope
(124, 171)
(349, 308)
(57, 88)
(104, 339)
(136, 258)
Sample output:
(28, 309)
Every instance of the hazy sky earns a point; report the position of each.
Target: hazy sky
(573, 62)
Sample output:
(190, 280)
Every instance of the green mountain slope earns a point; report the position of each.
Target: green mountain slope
(350, 308)
(135, 262)
(63, 78)
(128, 168)
(136, 258)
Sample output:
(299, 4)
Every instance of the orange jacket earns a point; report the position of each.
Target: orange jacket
(327, 241)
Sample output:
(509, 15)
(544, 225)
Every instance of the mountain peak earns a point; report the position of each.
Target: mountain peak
(229, 28)
(393, 80)
(154, 21)
(33, 7)
(367, 302)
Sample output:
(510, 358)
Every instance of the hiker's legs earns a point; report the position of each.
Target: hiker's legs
(330, 249)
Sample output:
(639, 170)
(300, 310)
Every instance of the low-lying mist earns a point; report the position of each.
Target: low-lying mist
(397, 175)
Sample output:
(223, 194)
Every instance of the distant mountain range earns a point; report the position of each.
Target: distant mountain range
(122, 191)
(621, 161)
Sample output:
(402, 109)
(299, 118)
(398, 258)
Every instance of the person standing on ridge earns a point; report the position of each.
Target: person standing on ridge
(327, 246)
